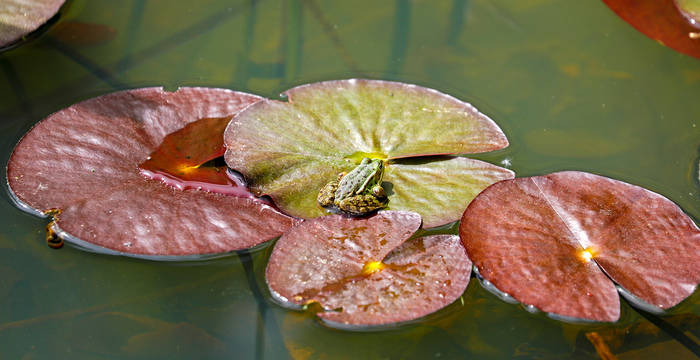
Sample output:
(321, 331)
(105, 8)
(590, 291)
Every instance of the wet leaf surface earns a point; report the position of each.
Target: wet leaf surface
(552, 240)
(364, 272)
(291, 150)
(662, 21)
(20, 17)
(84, 161)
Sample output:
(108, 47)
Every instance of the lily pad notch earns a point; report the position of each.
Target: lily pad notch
(82, 163)
(290, 150)
(567, 242)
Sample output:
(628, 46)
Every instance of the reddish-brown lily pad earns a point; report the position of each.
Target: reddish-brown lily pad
(20, 17)
(662, 21)
(81, 165)
(363, 272)
(549, 241)
(290, 150)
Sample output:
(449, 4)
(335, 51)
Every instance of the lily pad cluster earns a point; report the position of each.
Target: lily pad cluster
(140, 173)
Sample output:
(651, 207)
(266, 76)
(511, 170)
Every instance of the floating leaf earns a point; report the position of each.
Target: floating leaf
(549, 241)
(364, 272)
(661, 21)
(83, 163)
(291, 150)
(20, 17)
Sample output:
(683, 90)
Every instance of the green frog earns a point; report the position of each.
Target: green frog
(358, 192)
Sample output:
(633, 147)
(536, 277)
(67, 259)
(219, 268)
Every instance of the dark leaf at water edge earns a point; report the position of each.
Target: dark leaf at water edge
(364, 271)
(557, 241)
(20, 17)
(662, 21)
(290, 150)
(84, 161)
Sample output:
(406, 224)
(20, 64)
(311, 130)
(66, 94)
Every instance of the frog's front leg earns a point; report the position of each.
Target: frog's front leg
(361, 204)
(326, 197)
(378, 191)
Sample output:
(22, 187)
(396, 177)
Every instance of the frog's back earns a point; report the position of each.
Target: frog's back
(352, 182)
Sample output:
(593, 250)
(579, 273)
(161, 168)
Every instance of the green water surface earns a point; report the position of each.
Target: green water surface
(571, 84)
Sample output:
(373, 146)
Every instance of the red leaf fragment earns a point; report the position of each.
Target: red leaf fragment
(178, 160)
(84, 161)
(661, 21)
(364, 272)
(534, 238)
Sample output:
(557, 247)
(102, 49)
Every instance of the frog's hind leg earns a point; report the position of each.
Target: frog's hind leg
(361, 204)
(327, 194)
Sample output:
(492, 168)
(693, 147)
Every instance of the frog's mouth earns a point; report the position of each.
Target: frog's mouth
(357, 157)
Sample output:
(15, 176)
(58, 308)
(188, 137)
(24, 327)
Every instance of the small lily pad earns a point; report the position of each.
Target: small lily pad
(81, 165)
(290, 150)
(364, 272)
(20, 17)
(560, 242)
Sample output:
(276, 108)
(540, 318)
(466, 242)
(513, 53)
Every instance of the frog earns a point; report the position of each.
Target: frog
(358, 192)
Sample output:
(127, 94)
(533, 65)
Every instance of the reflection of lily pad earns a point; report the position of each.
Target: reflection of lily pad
(552, 240)
(78, 33)
(84, 160)
(364, 272)
(20, 17)
(291, 150)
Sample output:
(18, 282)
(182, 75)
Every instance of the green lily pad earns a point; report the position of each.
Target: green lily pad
(289, 150)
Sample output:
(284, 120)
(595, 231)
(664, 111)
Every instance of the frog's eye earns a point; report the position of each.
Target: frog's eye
(365, 161)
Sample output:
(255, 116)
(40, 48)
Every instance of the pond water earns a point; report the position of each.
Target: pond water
(572, 85)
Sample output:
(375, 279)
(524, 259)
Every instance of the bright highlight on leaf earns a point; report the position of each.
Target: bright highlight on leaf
(561, 242)
(372, 267)
(289, 151)
(586, 255)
